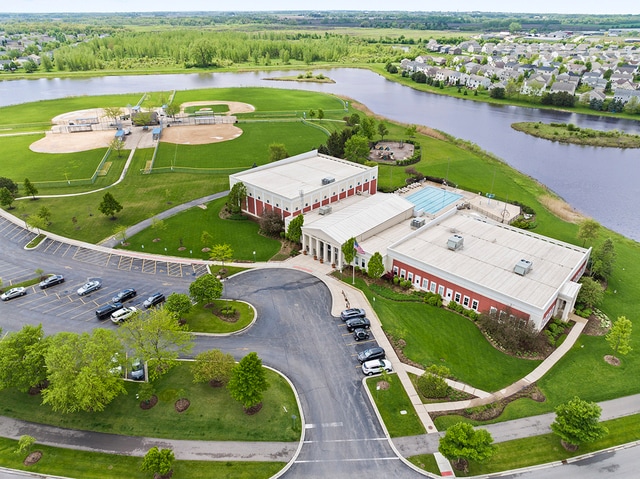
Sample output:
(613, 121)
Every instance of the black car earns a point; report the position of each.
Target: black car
(358, 323)
(105, 312)
(51, 280)
(352, 313)
(372, 353)
(124, 295)
(153, 300)
(360, 334)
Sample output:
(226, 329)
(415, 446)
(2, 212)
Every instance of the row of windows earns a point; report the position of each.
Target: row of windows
(440, 289)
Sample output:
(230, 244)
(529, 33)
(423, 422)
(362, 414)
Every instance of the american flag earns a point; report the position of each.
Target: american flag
(358, 247)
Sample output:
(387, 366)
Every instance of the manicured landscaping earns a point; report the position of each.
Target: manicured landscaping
(209, 319)
(94, 465)
(213, 415)
(395, 407)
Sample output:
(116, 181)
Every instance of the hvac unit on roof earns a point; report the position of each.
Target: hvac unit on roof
(522, 267)
(328, 180)
(324, 210)
(417, 223)
(455, 242)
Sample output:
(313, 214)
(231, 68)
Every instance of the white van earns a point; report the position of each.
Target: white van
(123, 314)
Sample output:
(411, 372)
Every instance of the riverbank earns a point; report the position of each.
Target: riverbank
(569, 133)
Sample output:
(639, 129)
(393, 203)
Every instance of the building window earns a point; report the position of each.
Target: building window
(410, 277)
(358, 183)
(433, 286)
(268, 201)
(395, 271)
(425, 284)
(350, 186)
(465, 301)
(493, 311)
(258, 196)
(325, 197)
(441, 290)
(250, 194)
(342, 190)
(306, 204)
(402, 273)
(474, 305)
(277, 204)
(287, 208)
(456, 298)
(363, 264)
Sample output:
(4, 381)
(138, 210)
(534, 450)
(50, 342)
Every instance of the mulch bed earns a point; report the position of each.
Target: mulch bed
(594, 328)
(182, 404)
(612, 360)
(150, 403)
(32, 458)
(253, 409)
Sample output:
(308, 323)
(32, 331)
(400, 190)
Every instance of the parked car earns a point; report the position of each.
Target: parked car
(376, 366)
(360, 334)
(89, 287)
(372, 353)
(105, 312)
(124, 295)
(123, 314)
(13, 293)
(137, 370)
(358, 323)
(153, 300)
(51, 280)
(352, 313)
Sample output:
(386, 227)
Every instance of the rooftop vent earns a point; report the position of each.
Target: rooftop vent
(522, 267)
(328, 180)
(324, 210)
(417, 223)
(455, 242)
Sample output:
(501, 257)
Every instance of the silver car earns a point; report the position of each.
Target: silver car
(13, 293)
(89, 287)
(376, 366)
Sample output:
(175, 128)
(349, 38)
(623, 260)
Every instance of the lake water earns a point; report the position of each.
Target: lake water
(598, 182)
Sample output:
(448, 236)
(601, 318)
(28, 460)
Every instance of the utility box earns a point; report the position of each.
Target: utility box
(324, 210)
(522, 267)
(455, 242)
(417, 223)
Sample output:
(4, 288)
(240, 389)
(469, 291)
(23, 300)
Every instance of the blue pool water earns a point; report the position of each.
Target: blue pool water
(431, 200)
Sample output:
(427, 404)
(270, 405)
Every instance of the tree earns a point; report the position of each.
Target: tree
(117, 145)
(432, 383)
(577, 422)
(158, 224)
(271, 223)
(277, 151)
(349, 251)
(158, 462)
(141, 118)
(206, 239)
(462, 443)
(590, 294)
(120, 233)
(588, 230)
(29, 188)
(619, 336)
(411, 131)
(367, 127)
(382, 130)
(6, 198)
(602, 259)
(112, 112)
(178, 304)
(36, 222)
(236, 197)
(25, 443)
(83, 371)
(515, 27)
(10, 185)
(22, 364)
(157, 337)
(172, 109)
(375, 267)
(206, 289)
(45, 214)
(109, 206)
(212, 366)
(294, 232)
(320, 114)
(248, 381)
(202, 52)
(356, 149)
(221, 252)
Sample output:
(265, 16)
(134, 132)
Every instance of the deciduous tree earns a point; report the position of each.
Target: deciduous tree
(462, 442)
(375, 267)
(221, 252)
(236, 197)
(212, 366)
(206, 289)
(382, 130)
(22, 363)
(248, 381)
(356, 149)
(178, 304)
(271, 223)
(6, 198)
(619, 336)
(603, 258)
(588, 230)
(591, 292)
(294, 232)
(29, 188)
(109, 205)
(158, 461)
(277, 151)
(577, 422)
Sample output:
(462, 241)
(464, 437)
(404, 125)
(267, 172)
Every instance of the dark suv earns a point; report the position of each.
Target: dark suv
(124, 295)
(372, 353)
(357, 323)
(352, 313)
(104, 312)
(153, 300)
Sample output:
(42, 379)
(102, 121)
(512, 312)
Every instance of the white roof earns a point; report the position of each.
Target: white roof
(489, 254)
(358, 220)
(302, 172)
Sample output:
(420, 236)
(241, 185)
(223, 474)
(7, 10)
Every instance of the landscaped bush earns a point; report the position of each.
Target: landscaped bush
(432, 384)
(514, 335)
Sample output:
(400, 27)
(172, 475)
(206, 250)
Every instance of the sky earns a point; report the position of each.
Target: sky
(540, 6)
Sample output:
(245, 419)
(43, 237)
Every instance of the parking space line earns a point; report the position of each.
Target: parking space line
(174, 269)
(149, 266)
(125, 263)
(66, 250)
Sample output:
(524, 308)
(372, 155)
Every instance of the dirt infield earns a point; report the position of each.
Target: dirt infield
(64, 142)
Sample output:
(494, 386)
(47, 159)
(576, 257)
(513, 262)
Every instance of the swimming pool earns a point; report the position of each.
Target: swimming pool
(431, 200)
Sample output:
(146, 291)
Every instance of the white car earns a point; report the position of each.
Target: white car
(123, 314)
(376, 366)
(89, 287)
(13, 293)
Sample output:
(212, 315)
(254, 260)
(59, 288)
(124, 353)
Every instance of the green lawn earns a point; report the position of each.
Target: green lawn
(212, 415)
(391, 403)
(242, 235)
(93, 465)
(203, 320)
(439, 336)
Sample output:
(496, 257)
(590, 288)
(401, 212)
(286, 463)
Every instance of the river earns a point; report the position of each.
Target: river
(598, 182)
